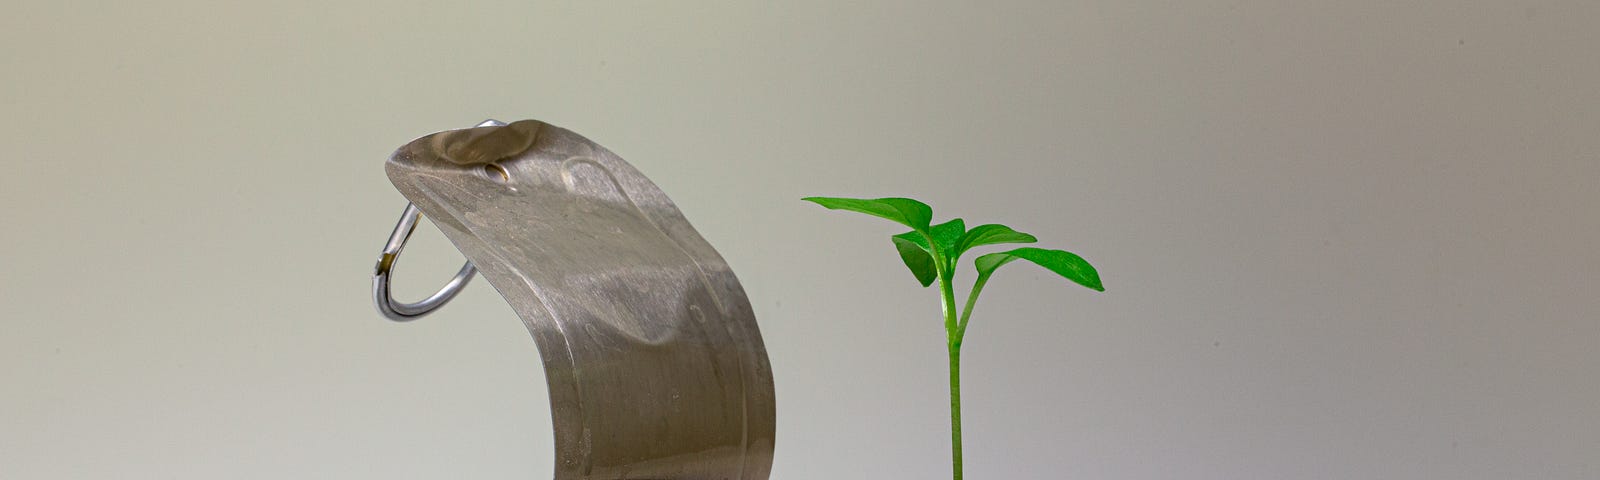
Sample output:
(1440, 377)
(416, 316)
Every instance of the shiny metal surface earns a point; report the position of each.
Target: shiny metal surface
(655, 365)
(381, 297)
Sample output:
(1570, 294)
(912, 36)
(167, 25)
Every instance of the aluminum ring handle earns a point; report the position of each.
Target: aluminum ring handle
(381, 297)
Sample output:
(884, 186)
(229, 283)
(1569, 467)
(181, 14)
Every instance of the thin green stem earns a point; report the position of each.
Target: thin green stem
(955, 410)
(972, 299)
(959, 334)
(945, 268)
(948, 296)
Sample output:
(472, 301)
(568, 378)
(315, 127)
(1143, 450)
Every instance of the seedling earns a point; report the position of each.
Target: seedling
(931, 252)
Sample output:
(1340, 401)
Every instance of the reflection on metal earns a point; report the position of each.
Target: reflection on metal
(655, 366)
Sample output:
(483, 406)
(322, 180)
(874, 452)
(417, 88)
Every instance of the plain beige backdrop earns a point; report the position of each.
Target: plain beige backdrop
(1341, 239)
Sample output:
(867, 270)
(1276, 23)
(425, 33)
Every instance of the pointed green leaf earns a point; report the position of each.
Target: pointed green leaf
(1064, 263)
(904, 211)
(946, 235)
(915, 239)
(991, 234)
(917, 258)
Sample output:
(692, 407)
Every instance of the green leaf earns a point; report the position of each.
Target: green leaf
(1062, 262)
(916, 257)
(989, 235)
(904, 211)
(914, 251)
(945, 235)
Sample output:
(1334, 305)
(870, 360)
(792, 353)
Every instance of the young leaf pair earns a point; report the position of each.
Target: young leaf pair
(931, 250)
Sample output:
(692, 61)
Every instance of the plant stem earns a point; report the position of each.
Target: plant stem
(972, 299)
(955, 410)
(953, 333)
(949, 305)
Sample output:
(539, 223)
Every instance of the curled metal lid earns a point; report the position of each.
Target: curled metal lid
(656, 368)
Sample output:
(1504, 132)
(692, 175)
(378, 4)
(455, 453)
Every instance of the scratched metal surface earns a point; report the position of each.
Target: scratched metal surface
(655, 366)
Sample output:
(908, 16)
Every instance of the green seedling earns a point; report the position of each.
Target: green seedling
(931, 252)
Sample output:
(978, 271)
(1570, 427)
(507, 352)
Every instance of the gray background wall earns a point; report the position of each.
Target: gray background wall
(1342, 240)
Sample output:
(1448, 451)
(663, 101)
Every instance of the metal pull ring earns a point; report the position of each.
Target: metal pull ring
(401, 311)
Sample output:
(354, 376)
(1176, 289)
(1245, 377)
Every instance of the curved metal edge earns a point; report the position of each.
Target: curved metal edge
(383, 299)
